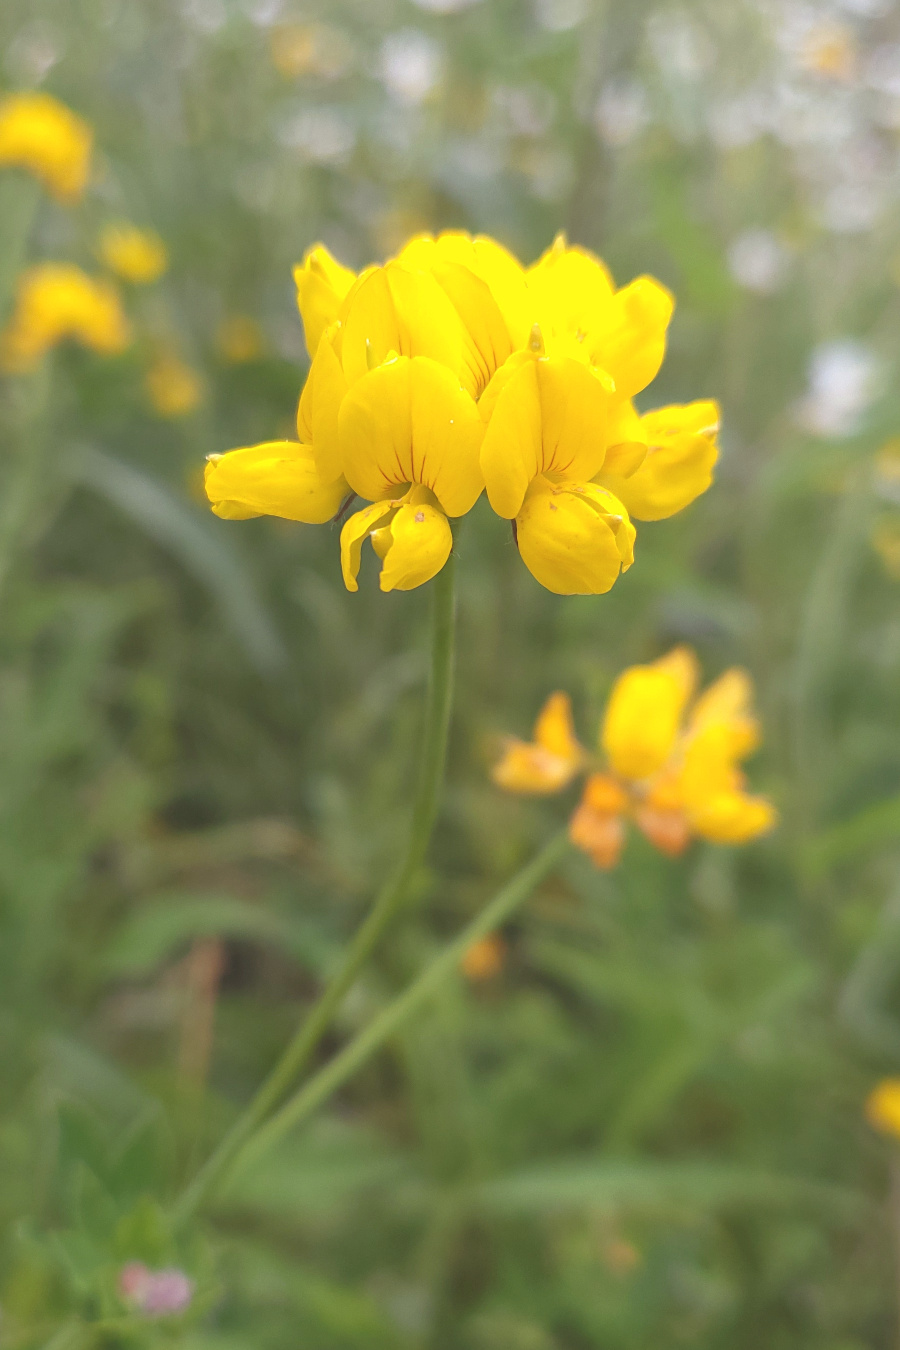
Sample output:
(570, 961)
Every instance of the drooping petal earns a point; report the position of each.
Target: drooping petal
(420, 544)
(409, 421)
(643, 716)
(597, 826)
(355, 530)
(574, 538)
(320, 403)
(549, 416)
(681, 455)
(322, 283)
(734, 818)
(277, 478)
(398, 309)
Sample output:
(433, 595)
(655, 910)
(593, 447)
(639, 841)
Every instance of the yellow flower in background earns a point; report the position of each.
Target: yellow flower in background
(452, 369)
(173, 387)
(484, 959)
(42, 135)
(138, 256)
(669, 766)
(883, 1107)
(240, 339)
(55, 301)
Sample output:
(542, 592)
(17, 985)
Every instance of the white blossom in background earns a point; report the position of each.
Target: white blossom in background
(851, 207)
(263, 12)
(410, 65)
(321, 135)
(679, 46)
(560, 16)
(739, 121)
(622, 112)
(206, 16)
(527, 110)
(758, 261)
(842, 383)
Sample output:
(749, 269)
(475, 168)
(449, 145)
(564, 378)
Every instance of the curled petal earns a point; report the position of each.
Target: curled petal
(322, 283)
(412, 536)
(643, 716)
(574, 538)
(278, 478)
(548, 416)
(679, 463)
(409, 421)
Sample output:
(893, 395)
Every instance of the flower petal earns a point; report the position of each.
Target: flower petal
(354, 532)
(320, 402)
(574, 538)
(549, 417)
(421, 541)
(629, 339)
(597, 826)
(728, 703)
(679, 464)
(734, 818)
(643, 716)
(322, 283)
(571, 288)
(409, 421)
(277, 478)
(554, 729)
(492, 263)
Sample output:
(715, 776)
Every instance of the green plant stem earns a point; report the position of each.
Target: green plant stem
(388, 903)
(336, 1072)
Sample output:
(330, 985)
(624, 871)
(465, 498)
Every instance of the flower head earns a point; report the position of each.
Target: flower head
(138, 256)
(669, 766)
(45, 137)
(883, 1107)
(452, 369)
(155, 1293)
(55, 301)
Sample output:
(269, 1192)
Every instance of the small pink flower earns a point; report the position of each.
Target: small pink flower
(155, 1293)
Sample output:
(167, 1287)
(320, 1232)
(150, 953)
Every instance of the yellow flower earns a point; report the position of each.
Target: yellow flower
(45, 137)
(452, 369)
(174, 388)
(676, 779)
(55, 301)
(134, 255)
(883, 1107)
(275, 479)
(484, 959)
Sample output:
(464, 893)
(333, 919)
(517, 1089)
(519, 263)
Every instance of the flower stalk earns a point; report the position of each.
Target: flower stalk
(388, 904)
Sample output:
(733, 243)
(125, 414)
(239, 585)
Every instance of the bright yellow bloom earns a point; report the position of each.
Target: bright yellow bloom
(174, 388)
(275, 479)
(55, 301)
(452, 369)
(134, 255)
(45, 137)
(883, 1107)
(676, 779)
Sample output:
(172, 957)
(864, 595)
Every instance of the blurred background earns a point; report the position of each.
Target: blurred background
(638, 1121)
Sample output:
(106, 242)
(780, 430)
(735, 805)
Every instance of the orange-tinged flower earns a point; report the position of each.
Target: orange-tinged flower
(550, 761)
(55, 301)
(675, 776)
(42, 135)
(883, 1107)
(484, 959)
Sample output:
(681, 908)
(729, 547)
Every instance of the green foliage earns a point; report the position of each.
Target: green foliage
(647, 1130)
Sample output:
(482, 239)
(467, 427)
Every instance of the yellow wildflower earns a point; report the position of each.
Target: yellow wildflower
(883, 1107)
(240, 339)
(484, 959)
(55, 301)
(451, 369)
(675, 777)
(45, 137)
(134, 255)
(174, 388)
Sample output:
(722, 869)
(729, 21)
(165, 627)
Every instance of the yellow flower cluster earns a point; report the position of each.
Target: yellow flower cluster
(45, 137)
(453, 370)
(138, 256)
(675, 776)
(56, 301)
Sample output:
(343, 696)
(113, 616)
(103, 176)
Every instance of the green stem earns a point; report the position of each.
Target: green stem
(336, 1072)
(388, 903)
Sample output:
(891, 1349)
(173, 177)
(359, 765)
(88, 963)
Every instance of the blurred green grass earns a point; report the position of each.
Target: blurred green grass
(648, 1128)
